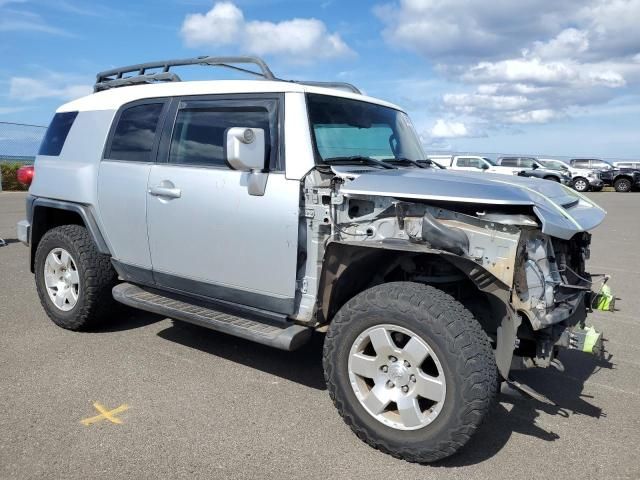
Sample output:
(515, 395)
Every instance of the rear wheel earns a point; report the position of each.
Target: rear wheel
(622, 185)
(409, 370)
(581, 184)
(73, 279)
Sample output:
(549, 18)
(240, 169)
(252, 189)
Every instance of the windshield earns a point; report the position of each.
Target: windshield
(344, 128)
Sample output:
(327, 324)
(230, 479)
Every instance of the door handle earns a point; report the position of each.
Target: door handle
(162, 191)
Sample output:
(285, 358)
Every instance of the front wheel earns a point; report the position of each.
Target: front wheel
(409, 370)
(581, 184)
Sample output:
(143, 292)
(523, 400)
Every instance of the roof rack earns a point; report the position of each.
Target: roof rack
(155, 72)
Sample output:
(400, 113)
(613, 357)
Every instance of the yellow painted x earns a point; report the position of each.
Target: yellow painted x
(105, 414)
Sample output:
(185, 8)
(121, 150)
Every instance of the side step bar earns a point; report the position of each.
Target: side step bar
(285, 336)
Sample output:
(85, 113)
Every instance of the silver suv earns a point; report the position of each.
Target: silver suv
(272, 209)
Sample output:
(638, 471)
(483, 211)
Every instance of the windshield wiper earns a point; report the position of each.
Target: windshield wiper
(358, 159)
(405, 160)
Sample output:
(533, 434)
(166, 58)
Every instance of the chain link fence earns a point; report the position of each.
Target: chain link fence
(19, 144)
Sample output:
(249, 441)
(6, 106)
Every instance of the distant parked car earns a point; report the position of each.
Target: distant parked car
(531, 167)
(634, 165)
(590, 164)
(582, 179)
(622, 179)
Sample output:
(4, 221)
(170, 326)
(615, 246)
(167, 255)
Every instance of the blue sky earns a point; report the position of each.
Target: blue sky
(560, 78)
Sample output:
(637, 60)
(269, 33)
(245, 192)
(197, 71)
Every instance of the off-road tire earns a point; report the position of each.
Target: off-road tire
(581, 184)
(622, 185)
(97, 278)
(456, 338)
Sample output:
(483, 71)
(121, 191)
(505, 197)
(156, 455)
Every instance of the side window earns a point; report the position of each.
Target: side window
(199, 133)
(462, 162)
(509, 162)
(581, 163)
(57, 133)
(135, 133)
(625, 165)
(525, 163)
(474, 162)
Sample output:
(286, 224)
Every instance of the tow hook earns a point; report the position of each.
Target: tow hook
(588, 340)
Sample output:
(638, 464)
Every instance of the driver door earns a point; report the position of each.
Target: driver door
(208, 236)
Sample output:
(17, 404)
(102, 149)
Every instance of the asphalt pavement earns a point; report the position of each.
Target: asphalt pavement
(193, 403)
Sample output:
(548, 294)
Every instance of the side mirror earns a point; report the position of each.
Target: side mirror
(534, 166)
(245, 150)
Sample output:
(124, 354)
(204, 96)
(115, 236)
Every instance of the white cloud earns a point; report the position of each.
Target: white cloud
(448, 129)
(299, 39)
(533, 116)
(50, 85)
(530, 61)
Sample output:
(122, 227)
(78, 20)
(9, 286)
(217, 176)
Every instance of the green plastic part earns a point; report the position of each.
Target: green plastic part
(590, 339)
(605, 300)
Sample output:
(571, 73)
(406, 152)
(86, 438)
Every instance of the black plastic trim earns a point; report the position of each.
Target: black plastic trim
(82, 210)
(227, 294)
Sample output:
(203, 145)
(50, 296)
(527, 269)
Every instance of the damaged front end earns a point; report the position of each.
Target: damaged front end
(512, 252)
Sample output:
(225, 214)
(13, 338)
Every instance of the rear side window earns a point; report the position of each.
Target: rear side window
(135, 133)
(581, 163)
(509, 162)
(57, 133)
(199, 133)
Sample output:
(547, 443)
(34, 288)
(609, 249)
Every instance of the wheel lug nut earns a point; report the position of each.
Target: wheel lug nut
(390, 384)
(407, 364)
(384, 368)
(393, 359)
(405, 388)
(412, 377)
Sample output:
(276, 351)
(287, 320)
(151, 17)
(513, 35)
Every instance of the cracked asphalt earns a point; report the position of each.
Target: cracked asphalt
(201, 404)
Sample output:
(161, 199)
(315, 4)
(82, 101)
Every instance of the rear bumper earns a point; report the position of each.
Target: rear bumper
(23, 229)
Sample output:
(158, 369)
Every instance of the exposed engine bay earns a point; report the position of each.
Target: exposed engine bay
(528, 289)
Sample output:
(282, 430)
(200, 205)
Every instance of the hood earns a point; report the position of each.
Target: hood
(562, 211)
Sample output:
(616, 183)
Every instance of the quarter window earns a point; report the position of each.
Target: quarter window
(199, 133)
(57, 133)
(135, 134)
(509, 162)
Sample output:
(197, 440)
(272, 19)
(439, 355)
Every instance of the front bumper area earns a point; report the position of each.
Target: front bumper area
(595, 182)
(23, 229)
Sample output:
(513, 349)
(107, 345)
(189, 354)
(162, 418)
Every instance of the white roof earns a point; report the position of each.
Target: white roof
(113, 98)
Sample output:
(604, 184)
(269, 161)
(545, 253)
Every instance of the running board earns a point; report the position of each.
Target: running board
(285, 336)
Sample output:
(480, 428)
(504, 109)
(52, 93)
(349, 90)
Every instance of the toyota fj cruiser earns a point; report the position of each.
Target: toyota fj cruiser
(270, 209)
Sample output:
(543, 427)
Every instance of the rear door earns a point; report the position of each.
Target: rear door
(122, 180)
(211, 237)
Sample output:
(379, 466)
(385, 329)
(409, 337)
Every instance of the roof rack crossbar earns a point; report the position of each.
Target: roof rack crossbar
(138, 74)
(110, 78)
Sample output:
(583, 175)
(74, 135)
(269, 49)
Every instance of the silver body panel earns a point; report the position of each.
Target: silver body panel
(217, 233)
(122, 205)
(561, 211)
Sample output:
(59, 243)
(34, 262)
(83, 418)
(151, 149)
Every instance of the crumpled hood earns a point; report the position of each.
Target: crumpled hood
(562, 211)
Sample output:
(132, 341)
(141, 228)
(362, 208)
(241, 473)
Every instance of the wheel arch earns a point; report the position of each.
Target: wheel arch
(46, 214)
(350, 268)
